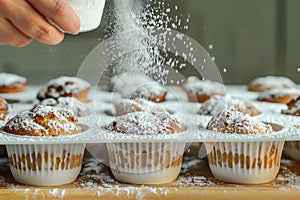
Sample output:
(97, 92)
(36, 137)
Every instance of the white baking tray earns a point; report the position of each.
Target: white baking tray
(186, 111)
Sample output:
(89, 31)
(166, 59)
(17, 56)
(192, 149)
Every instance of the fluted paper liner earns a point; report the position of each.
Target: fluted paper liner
(45, 164)
(145, 163)
(245, 162)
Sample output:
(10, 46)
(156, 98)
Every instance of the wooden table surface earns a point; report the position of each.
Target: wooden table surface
(194, 182)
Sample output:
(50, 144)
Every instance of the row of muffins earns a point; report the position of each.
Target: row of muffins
(208, 93)
(274, 89)
(29, 163)
(120, 158)
(232, 162)
(271, 89)
(143, 86)
(165, 157)
(70, 86)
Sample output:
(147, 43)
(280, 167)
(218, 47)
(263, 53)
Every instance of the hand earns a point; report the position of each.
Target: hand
(22, 21)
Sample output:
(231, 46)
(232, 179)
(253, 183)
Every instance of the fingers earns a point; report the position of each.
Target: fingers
(60, 12)
(11, 35)
(27, 20)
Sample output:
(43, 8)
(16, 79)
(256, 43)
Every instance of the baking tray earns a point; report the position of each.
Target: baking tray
(95, 132)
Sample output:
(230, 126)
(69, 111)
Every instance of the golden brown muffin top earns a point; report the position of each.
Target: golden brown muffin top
(124, 106)
(146, 123)
(232, 121)
(218, 103)
(43, 121)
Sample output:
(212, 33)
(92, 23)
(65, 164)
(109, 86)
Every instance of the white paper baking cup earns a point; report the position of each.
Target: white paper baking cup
(145, 163)
(45, 164)
(292, 149)
(245, 162)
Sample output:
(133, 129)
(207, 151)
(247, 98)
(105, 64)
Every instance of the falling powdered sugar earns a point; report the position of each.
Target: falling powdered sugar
(149, 22)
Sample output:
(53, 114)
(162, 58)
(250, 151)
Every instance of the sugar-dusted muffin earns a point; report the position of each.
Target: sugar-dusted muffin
(3, 108)
(262, 84)
(65, 86)
(202, 90)
(124, 106)
(282, 96)
(146, 162)
(79, 108)
(135, 85)
(243, 162)
(44, 164)
(43, 121)
(153, 92)
(127, 83)
(12, 83)
(217, 104)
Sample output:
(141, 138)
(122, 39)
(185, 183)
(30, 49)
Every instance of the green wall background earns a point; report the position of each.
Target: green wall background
(250, 38)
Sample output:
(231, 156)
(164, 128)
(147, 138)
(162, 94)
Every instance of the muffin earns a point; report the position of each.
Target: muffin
(3, 108)
(79, 108)
(127, 83)
(124, 106)
(218, 103)
(146, 162)
(202, 90)
(292, 148)
(266, 83)
(243, 162)
(65, 87)
(134, 85)
(282, 96)
(12, 83)
(44, 164)
(153, 92)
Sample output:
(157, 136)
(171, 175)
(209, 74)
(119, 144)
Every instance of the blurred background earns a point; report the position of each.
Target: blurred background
(248, 38)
